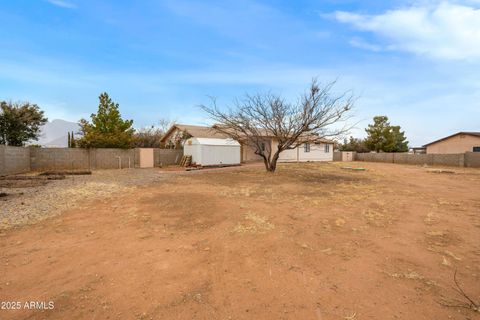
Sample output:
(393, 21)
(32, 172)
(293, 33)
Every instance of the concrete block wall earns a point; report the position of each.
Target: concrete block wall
(14, 160)
(107, 158)
(472, 159)
(337, 156)
(375, 157)
(418, 159)
(59, 159)
(163, 157)
(20, 159)
(456, 160)
(469, 159)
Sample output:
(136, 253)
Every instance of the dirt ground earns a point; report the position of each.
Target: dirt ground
(312, 241)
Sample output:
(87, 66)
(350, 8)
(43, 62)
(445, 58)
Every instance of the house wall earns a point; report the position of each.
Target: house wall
(317, 153)
(457, 144)
(289, 155)
(248, 153)
(173, 137)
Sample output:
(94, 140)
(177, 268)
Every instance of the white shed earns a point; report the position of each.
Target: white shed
(212, 152)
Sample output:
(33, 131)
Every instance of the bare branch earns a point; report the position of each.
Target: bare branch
(471, 305)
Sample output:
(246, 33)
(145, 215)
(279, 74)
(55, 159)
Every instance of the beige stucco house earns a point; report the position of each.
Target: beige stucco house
(317, 150)
(460, 142)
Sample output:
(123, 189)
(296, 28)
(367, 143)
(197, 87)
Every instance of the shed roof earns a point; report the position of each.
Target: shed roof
(213, 142)
(477, 134)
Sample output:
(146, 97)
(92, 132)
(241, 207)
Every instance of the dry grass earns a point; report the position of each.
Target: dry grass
(253, 224)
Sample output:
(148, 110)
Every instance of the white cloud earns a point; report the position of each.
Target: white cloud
(360, 43)
(62, 3)
(444, 30)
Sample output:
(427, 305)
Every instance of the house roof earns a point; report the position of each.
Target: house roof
(194, 131)
(210, 132)
(477, 134)
(313, 138)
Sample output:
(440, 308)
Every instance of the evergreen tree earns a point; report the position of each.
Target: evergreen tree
(107, 129)
(384, 137)
(73, 143)
(69, 141)
(354, 144)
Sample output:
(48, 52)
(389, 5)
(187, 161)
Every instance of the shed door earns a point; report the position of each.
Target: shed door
(146, 157)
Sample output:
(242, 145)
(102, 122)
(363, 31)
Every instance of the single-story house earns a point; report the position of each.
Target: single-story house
(460, 142)
(317, 150)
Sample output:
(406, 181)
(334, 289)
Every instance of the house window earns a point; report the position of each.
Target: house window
(306, 147)
(327, 148)
(476, 149)
(263, 146)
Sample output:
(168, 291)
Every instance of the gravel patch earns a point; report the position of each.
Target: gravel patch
(29, 204)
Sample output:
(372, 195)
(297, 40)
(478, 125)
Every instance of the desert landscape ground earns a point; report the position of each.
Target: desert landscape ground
(312, 241)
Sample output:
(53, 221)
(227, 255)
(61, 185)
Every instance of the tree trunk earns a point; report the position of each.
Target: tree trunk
(265, 161)
(273, 162)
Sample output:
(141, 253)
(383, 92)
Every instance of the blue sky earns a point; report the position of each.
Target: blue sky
(418, 62)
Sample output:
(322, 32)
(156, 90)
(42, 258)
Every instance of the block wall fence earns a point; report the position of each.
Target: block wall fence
(468, 159)
(24, 159)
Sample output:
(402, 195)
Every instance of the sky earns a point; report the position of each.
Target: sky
(417, 62)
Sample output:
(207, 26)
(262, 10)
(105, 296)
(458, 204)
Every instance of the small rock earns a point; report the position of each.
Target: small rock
(445, 262)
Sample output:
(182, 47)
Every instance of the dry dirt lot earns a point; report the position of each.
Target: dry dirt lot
(312, 241)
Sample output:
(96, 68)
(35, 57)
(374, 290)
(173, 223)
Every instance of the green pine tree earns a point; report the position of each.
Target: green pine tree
(107, 129)
(384, 137)
(69, 141)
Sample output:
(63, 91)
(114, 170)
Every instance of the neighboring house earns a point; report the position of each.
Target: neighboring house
(460, 142)
(418, 150)
(318, 150)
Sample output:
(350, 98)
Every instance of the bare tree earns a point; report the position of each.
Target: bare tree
(149, 137)
(316, 115)
(164, 124)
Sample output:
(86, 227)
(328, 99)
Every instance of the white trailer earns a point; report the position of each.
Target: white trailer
(212, 152)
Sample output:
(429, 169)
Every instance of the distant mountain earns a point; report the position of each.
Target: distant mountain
(55, 133)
